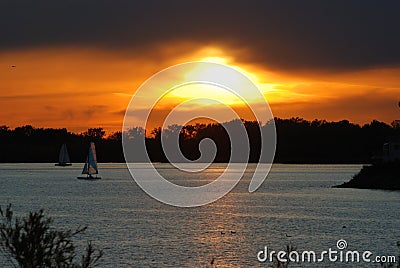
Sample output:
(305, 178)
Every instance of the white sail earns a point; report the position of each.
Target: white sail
(91, 161)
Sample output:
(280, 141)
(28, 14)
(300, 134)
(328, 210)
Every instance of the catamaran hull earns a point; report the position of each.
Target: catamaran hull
(89, 178)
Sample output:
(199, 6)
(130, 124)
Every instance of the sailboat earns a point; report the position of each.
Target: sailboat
(90, 167)
(63, 158)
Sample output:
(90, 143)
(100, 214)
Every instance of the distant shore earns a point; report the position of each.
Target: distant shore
(299, 141)
(250, 162)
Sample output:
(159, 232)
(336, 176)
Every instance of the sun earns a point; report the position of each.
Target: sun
(203, 95)
(221, 94)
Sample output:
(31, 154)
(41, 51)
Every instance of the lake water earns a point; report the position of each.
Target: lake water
(295, 205)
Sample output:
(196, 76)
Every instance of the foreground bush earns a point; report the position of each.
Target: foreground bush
(31, 242)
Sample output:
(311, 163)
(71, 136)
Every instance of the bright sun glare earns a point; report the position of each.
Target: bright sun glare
(203, 95)
(220, 94)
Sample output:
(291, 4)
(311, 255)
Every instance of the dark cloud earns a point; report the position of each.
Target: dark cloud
(329, 35)
(94, 110)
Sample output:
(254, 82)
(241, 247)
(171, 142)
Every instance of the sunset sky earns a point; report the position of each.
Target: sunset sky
(76, 64)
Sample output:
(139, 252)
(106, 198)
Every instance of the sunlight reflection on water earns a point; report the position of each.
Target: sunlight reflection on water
(137, 231)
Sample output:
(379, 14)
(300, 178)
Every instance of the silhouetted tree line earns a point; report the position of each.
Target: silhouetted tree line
(298, 141)
(29, 144)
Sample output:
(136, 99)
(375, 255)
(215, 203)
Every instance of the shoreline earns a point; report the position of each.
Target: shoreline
(383, 176)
